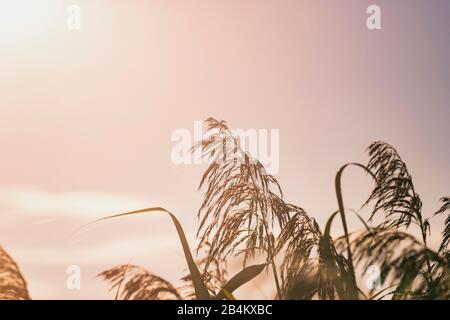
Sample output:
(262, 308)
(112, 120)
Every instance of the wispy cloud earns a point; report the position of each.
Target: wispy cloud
(42, 230)
(86, 206)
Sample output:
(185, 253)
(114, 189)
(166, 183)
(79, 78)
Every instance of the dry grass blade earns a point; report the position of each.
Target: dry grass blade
(241, 278)
(338, 186)
(215, 276)
(334, 276)
(201, 290)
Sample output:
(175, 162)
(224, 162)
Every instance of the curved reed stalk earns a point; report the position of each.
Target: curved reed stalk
(201, 291)
(340, 199)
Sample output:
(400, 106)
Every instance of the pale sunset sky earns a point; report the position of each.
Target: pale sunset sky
(86, 117)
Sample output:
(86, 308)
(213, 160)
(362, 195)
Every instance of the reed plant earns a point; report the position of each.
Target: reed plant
(244, 213)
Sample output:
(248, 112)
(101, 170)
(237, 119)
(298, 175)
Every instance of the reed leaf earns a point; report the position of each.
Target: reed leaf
(201, 290)
(241, 278)
(214, 273)
(338, 188)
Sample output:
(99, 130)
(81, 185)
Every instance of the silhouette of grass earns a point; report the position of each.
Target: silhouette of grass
(12, 283)
(244, 212)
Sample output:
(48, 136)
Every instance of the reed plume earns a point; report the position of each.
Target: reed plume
(12, 284)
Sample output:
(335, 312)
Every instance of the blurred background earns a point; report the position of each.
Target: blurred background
(86, 117)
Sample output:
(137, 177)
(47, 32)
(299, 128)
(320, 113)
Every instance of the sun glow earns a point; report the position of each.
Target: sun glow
(24, 18)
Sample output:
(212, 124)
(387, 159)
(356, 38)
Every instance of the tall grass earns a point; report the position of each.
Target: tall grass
(12, 283)
(244, 213)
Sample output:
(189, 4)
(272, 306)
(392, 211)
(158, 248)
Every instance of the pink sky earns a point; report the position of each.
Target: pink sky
(86, 116)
